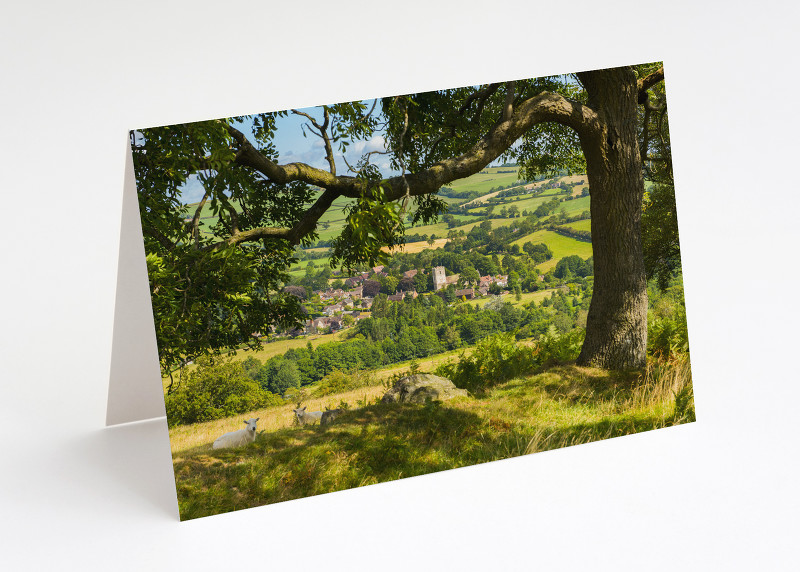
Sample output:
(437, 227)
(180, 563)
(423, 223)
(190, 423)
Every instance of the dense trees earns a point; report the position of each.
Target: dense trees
(412, 329)
(215, 289)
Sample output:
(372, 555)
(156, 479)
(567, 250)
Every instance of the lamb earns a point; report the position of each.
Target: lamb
(304, 417)
(237, 438)
(329, 415)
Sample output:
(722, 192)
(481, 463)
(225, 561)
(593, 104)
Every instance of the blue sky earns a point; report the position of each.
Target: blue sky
(294, 148)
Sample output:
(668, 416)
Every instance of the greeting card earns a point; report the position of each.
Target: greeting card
(359, 292)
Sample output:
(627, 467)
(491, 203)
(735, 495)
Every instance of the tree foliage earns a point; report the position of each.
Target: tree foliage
(214, 287)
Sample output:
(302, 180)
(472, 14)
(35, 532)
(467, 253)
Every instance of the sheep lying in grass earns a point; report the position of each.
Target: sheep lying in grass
(237, 438)
(304, 416)
(329, 415)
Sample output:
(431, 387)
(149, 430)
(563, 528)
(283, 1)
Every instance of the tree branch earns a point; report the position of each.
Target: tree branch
(194, 225)
(647, 82)
(154, 233)
(483, 94)
(541, 108)
(323, 133)
(508, 108)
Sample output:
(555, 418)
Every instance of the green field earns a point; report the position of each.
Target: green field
(525, 298)
(574, 206)
(525, 203)
(486, 180)
(560, 245)
(585, 224)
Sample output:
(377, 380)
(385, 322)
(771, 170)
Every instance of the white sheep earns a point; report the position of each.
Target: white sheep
(329, 415)
(237, 438)
(304, 417)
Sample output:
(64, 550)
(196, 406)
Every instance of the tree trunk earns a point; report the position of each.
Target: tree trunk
(616, 327)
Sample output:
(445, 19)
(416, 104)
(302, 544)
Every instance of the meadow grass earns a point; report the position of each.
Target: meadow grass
(199, 436)
(525, 297)
(412, 247)
(575, 206)
(560, 245)
(486, 179)
(585, 224)
(374, 442)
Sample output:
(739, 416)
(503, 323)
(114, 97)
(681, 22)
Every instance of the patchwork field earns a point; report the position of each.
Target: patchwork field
(487, 179)
(560, 245)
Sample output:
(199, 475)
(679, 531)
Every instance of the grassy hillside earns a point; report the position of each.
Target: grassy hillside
(524, 299)
(560, 245)
(374, 442)
(585, 224)
(487, 179)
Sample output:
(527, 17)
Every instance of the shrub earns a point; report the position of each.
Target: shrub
(339, 381)
(495, 359)
(213, 391)
(560, 348)
(499, 358)
(668, 337)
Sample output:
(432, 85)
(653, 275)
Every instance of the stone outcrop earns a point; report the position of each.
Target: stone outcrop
(421, 387)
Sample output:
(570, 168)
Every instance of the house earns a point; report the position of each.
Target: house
(366, 303)
(501, 280)
(332, 309)
(317, 324)
(410, 273)
(468, 293)
(354, 281)
(323, 323)
(396, 297)
(377, 269)
(357, 292)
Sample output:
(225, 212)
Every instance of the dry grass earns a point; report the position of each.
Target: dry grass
(200, 436)
(482, 199)
(662, 382)
(374, 442)
(414, 247)
(193, 439)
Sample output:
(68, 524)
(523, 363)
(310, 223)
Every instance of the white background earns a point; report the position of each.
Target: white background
(720, 494)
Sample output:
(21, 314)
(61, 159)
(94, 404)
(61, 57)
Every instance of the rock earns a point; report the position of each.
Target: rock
(421, 387)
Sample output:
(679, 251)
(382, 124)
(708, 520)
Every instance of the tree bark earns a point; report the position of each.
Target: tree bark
(616, 327)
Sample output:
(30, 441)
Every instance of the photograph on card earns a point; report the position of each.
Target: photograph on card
(360, 292)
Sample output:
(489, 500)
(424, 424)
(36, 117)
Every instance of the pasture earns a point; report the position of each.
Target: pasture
(585, 224)
(525, 298)
(374, 442)
(560, 245)
(412, 247)
(486, 180)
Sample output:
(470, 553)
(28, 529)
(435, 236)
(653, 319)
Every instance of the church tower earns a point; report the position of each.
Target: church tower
(439, 278)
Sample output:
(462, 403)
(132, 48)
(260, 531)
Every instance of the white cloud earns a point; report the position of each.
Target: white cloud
(314, 154)
(375, 143)
(192, 191)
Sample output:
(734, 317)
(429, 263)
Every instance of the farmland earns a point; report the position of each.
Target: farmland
(531, 331)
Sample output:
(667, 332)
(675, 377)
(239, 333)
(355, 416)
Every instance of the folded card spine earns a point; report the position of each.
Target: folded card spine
(135, 390)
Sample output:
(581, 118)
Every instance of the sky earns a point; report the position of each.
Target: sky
(294, 148)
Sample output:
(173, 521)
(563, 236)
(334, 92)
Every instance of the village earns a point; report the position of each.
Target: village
(343, 308)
